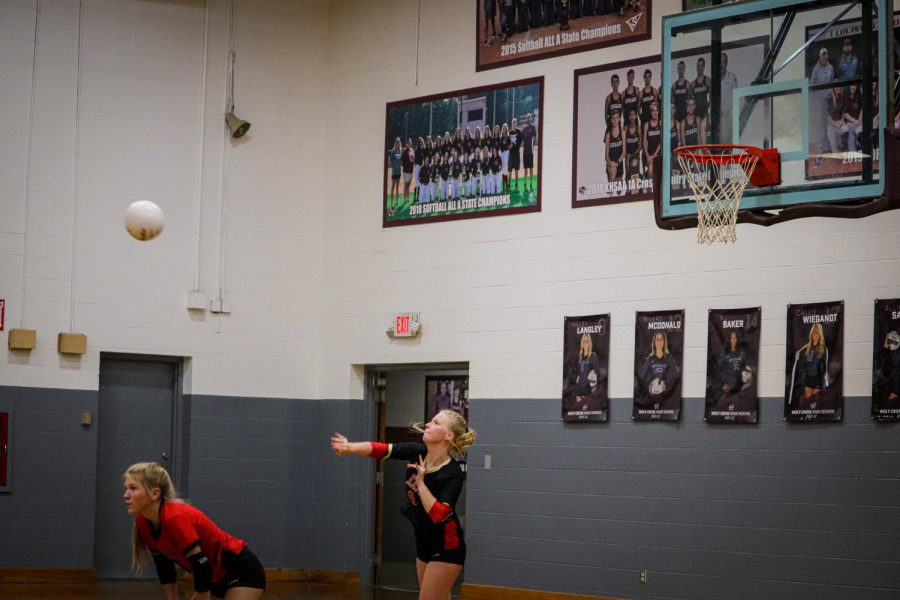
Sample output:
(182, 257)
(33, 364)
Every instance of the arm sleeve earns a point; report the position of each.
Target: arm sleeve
(379, 450)
(165, 568)
(202, 571)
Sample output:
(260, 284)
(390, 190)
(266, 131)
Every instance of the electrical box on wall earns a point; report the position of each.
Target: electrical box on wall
(72, 343)
(22, 339)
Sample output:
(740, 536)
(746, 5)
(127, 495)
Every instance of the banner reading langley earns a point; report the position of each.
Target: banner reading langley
(886, 361)
(467, 154)
(658, 352)
(585, 369)
(731, 366)
(813, 389)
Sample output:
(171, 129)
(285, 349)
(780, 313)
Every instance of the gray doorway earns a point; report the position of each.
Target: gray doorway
(138, 402)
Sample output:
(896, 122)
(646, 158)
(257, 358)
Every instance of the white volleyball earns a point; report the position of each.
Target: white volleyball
(144, 220)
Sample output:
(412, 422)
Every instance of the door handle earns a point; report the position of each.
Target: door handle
(165, 456)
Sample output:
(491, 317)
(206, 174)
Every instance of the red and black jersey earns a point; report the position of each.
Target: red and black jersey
(444, 483)
(181, 527)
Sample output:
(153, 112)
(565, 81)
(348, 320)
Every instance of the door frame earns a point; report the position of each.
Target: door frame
(370, 425)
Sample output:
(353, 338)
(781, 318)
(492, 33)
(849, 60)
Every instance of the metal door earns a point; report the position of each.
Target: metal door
(135, 423)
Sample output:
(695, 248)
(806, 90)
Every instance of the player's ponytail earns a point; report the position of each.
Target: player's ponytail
(150, 475)
(463, 437)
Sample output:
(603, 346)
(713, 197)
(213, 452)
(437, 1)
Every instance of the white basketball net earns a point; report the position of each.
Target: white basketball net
(718, 187)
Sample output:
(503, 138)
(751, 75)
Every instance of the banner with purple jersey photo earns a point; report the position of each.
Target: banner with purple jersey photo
(585, 394)
(814, 382)
(658, 354)
(732, 361)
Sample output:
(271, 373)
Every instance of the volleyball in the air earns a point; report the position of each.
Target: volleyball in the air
(144, 220)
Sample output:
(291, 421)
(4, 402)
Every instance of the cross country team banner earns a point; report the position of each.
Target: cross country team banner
(586, 369)
(509, 32)
(886, 361)
(814, 362)
(467, 154)
(658, 355)
(731, 366)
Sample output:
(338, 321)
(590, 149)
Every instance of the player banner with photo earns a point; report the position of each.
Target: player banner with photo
(467, 154)
(585, 395)
(509, 32)
(618, 119)
(835, 114)
(658, 354)
(814, 359)
(886, 361)
(732, 363)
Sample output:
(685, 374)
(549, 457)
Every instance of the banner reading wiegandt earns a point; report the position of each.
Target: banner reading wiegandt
(814, 362)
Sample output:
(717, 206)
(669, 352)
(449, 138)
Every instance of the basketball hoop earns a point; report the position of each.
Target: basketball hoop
(718, 175)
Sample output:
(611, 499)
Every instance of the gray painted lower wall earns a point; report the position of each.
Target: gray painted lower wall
(774, 510)
(47, 518)
(261, 468)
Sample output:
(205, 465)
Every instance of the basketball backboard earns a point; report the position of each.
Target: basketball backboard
(797, 75)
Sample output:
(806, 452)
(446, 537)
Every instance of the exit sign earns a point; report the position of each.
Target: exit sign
(406, 325)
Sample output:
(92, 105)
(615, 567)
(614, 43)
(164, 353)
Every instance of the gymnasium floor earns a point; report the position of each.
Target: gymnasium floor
(149, 590)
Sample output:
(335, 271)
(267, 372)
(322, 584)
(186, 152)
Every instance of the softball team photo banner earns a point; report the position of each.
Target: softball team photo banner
(467, 154)
(814, 361)
(732, 362)
(585, 395)
(508, 32)
(886, 361)
(658, 355)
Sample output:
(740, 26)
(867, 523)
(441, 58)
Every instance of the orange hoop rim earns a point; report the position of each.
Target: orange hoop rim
(701, 154)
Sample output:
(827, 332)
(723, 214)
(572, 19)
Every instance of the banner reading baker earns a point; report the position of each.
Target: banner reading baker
(814, 361)
(731, 366)
(658, 354)
(886, 361)
(585, 369)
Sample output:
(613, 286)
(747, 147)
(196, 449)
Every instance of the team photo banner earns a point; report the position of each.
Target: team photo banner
(814, 362)
(886, 361)
(585, 394)
(732, 363)
(617, 129)
(658, 355)
(463, 155)
(509, 32)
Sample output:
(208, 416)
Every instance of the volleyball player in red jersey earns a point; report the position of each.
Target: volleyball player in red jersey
(173, 532)
(434, 481)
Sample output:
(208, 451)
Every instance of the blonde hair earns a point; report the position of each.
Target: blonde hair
(150, 475)
(820, 347)
(463, 437)
(590, 350)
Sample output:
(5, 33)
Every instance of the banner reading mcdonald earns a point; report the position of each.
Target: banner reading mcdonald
(814, 382)
(658, 352)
